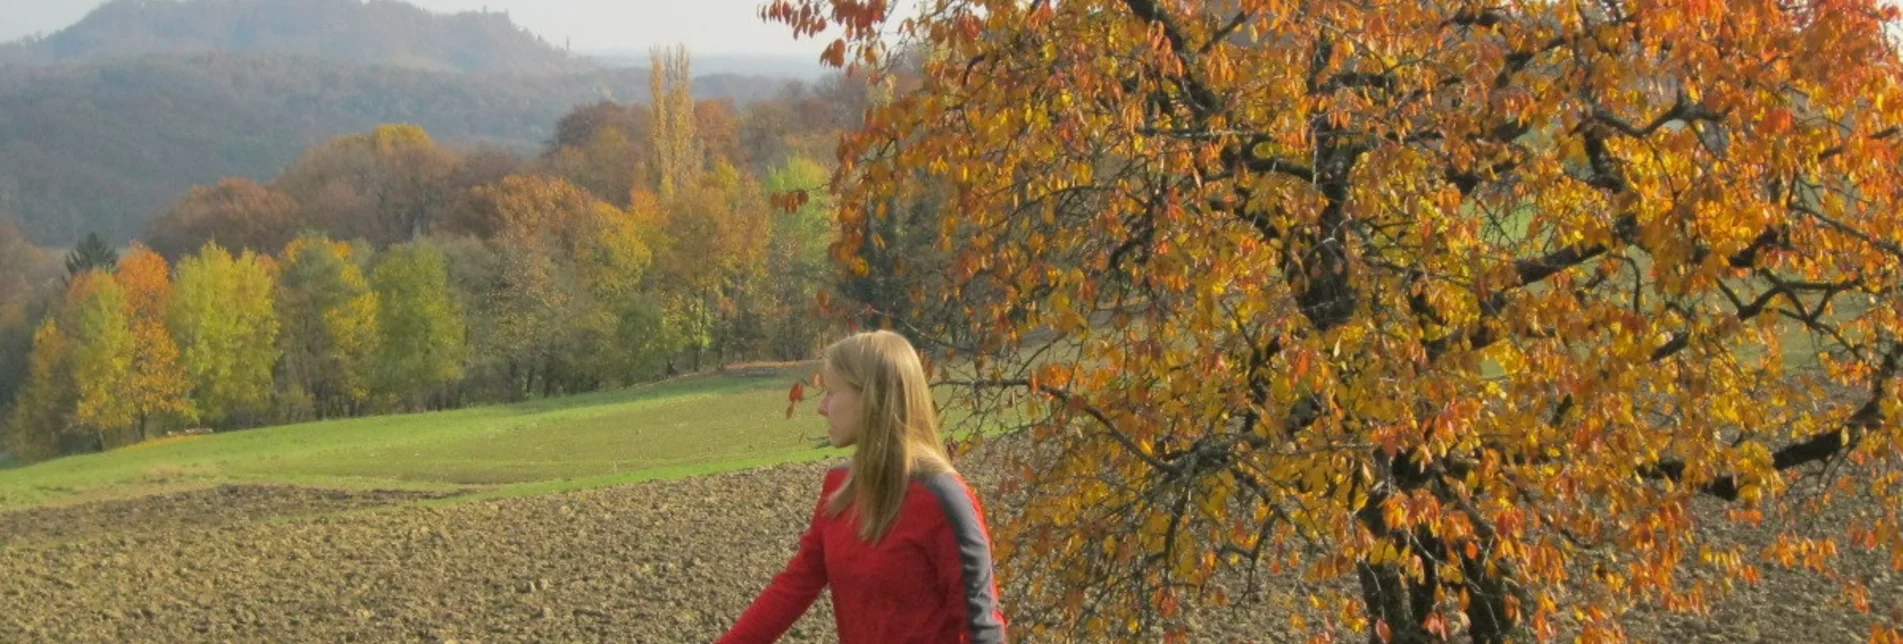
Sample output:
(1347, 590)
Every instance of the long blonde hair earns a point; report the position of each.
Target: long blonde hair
(898, 433)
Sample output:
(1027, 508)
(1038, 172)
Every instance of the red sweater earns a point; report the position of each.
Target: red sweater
(928, 581)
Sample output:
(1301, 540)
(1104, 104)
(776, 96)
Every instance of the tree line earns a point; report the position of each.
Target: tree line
(383, 272)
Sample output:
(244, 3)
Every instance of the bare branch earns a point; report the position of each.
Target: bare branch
(1846, 229)
(1091, 410)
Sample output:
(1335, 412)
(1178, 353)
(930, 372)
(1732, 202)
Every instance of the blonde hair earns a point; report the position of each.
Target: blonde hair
(898, 433)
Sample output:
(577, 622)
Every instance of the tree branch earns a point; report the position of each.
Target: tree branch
(1682, 110)
(1090, 410)
(1846, 229)
(1878, 136)
(1203, 101)
(1223, 32)
(1818, 447)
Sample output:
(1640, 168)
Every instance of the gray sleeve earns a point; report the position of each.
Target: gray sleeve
(984, 620)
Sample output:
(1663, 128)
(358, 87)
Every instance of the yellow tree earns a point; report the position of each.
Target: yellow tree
(1466, 294)
(43, 407)
(671, 119)
(327, 317)
(97, 313)
(571, 263)
(223, 315)
(157, 387)
(716, 233)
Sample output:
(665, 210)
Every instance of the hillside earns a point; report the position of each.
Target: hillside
(106, 146)
(379, 31)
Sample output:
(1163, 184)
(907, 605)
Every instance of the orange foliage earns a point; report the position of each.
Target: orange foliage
(1447, 288)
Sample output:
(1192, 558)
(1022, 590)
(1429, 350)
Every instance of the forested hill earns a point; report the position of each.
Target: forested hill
(104, 147)
(383, 32)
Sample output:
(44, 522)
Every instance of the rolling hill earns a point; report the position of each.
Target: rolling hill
(105, 123)
(379, 32)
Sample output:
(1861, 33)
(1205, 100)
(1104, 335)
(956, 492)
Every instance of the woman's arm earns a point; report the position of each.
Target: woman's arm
(792, 591)
(963, 561)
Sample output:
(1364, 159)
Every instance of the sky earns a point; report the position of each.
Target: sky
(706, 26)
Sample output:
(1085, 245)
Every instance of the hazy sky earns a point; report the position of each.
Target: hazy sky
(707, 26)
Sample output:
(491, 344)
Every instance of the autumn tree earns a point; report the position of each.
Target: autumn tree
(801, 120)
(713, 257)
(223, 315)
(420, 330)
(35, 358)
(529, 302)
(605, 148)
(764, 128)
(744, 230)
(568, 267)
(902, 257)
(797, 265)
(96, 312)
(233, 213)
(327, 330)
(26, 274)
(386, 185)
(717, 132)
(474, 273)
(671, 119)
(1444, 300)
(157, 387)
(42, 410)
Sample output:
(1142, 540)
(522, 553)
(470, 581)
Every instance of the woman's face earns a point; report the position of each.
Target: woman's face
(841, 407)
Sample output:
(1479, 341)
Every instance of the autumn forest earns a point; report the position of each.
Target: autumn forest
(383, 271)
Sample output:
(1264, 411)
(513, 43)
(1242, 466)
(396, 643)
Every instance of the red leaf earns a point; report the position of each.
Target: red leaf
(835, 54)
(791, 200)
(794, 397)
(1778, 121)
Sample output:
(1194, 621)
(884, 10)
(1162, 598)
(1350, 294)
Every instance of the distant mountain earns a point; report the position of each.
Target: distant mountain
(104, 123)
(378, 31)
(105, 146)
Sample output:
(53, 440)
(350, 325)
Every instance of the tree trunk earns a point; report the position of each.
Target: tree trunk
(1405, 605)
(1385, 593)
(1487, 616)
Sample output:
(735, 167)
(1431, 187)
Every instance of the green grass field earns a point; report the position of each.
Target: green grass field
(678, 428)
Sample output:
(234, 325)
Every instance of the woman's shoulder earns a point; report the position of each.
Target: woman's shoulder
(947, 488)
(836, 475)
(952, 503)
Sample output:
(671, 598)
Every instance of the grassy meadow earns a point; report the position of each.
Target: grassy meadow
(682, 427)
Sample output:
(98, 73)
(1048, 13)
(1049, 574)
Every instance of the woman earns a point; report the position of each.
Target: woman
(897, 534)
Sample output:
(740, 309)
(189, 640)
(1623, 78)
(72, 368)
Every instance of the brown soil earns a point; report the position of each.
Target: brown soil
(210, 507)
(665, 561)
